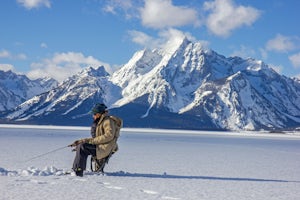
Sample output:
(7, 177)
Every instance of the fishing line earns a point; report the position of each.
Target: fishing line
(41, 155)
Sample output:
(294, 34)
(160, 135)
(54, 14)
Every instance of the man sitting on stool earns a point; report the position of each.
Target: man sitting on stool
(105, 131)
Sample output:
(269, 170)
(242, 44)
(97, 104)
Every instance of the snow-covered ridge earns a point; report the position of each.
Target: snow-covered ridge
(15, 88)
(181, 85)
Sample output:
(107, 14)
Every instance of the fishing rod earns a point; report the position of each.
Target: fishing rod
(41, 155)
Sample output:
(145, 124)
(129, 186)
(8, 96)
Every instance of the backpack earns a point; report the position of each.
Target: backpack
(119, 124)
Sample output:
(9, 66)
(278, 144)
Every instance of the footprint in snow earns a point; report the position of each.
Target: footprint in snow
(171, 198)
(107, 185)
(79, 179)
(38, 182)
(22, 180)
(149, 192)
(113, 187)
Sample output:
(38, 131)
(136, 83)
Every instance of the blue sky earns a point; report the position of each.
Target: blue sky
(58, 38)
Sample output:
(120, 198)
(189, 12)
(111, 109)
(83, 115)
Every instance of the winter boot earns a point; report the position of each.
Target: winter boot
(79, 172)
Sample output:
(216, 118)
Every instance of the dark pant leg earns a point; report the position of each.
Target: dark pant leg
(82, 153)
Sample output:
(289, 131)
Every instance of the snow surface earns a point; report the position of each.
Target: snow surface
(151, 164)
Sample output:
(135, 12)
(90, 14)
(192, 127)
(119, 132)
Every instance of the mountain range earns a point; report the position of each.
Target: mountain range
(181, 85)
(15, 89)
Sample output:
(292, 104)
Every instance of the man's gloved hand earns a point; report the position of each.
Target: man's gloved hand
(77, 142)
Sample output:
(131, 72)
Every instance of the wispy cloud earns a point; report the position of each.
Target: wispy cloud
(126, 7)
(244, 52)
(64, 65)
(277, 68)
(30, 4)
(162, 13)
(295, 60)
(225, 16)
(43, 45)
(220, 17)
(6, 67)
(281, 43)
(143, 39)
(8, 55)
(164, 38)
(5, 54)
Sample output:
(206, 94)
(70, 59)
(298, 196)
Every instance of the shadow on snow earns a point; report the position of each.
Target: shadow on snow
(168, 176)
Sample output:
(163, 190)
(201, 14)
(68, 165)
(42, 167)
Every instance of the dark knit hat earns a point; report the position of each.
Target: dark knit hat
(99, 108)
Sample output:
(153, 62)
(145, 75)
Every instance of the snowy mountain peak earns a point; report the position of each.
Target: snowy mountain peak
(188, 79)
(140, 64)
(90, 71)
(15, 88)
(182, 85)
(47, 83)
(174, 44)
(73, 98)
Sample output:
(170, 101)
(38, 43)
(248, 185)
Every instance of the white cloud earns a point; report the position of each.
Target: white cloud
(109, 9)
(277, 68)
(244, 52)
(153, 13)
(280, 44)
(173, 36)
(44, 45)
(221, 17)
(225, 16)
(6, 67)
(64, 65)
(170, 36)
(29, 4)
(162, 13)
(125, 6)
(144, 39)
(295, 60)
(5, 54)
(264, 53)
(20, 56)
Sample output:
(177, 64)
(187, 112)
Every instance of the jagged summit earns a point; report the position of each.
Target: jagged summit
(229, 92)
(72, 98)
(180, 85)
(15, 88)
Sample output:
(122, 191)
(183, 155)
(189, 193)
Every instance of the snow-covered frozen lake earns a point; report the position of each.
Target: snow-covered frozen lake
(151, 164)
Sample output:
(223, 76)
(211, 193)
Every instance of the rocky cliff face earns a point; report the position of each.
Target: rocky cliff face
(15, 89)
(181, 86)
